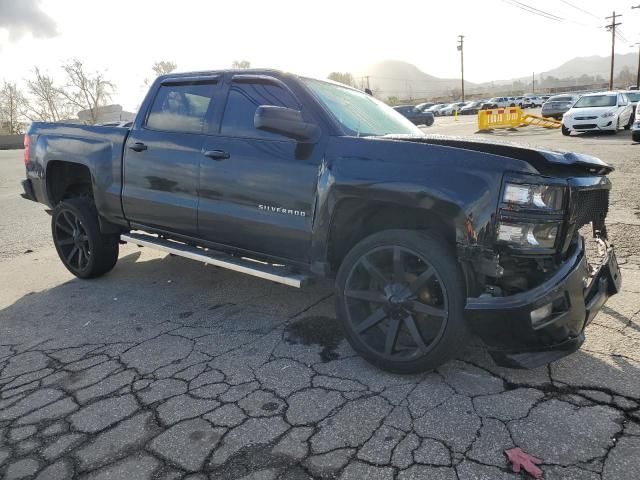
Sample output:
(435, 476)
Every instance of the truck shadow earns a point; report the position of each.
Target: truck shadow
(219, 313)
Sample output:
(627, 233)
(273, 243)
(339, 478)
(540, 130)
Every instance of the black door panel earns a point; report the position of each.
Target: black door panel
(161, 182)
(162, 158)
(261, 196)
(260, 199)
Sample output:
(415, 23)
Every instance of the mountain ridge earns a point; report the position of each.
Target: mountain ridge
(404, 80)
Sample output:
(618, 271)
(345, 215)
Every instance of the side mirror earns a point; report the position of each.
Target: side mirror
(285, 121)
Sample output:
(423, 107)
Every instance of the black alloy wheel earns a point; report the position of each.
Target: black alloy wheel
(400, 301)
(83, 249)
(72, 240)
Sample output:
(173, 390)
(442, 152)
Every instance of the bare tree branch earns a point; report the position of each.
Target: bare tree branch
(45, 103)
(85, 90)
(12, 103)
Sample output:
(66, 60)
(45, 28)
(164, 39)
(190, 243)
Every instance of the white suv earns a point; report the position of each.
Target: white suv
(598, 111)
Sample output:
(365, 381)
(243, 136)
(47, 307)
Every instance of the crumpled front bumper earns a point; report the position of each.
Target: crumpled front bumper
(504, 323)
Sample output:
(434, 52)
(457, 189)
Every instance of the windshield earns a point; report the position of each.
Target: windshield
(360, 114)
(596, 101)
(561, 99)
(633, 96)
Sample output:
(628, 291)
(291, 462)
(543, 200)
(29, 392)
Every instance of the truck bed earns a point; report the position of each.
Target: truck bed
(99, 148)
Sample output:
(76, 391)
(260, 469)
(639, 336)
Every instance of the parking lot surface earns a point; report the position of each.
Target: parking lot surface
(169, 369)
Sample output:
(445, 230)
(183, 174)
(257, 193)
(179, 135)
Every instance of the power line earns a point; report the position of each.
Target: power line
(620, 35)
(538, 10)
(534, 11)
(580, 9)
(545, 14)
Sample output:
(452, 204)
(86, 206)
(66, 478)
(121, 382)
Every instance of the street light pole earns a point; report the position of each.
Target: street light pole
(461, 50)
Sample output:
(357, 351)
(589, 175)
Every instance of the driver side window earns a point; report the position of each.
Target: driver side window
(244, 99)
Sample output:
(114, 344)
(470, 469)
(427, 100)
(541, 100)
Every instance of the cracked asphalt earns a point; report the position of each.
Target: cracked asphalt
(169, 369)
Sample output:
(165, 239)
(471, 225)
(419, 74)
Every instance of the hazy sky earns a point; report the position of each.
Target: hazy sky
(310, 37)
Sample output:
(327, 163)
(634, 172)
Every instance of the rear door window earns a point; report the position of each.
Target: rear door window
(181, 107)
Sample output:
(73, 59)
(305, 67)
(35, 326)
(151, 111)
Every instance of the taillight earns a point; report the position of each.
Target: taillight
(26, 149)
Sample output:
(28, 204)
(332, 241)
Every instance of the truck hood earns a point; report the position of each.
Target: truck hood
(547, 162)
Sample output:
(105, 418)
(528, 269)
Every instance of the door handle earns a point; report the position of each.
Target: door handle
(216, 154)
(138, 147)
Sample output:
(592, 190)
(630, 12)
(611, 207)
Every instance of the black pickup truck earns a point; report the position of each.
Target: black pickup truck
(286, 178)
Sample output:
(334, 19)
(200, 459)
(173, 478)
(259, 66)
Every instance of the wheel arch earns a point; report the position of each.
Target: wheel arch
(66, 179)
(355, 219)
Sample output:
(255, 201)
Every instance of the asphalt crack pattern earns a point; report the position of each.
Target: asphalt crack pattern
(242, 390)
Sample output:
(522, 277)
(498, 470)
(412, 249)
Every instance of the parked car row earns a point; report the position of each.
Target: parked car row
(601, 111)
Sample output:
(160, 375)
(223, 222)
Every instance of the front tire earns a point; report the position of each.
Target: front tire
(400, 298)
(565, 131)
(83, 249)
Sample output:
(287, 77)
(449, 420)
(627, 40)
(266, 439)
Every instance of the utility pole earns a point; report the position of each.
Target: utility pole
(638, 77)
(533, 82)
(461, 50)
(612, 27)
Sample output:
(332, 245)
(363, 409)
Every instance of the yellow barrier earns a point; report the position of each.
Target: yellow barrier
(510, 117)
(541, 121)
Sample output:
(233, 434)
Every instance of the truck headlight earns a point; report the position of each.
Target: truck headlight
(528, 235)
(544, 197)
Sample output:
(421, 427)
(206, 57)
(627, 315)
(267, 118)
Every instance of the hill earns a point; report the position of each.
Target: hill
(395, 78)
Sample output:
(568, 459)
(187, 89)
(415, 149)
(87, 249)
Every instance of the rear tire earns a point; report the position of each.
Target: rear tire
(82, 248)
(430, 122)
(629, 123)
(400, 298)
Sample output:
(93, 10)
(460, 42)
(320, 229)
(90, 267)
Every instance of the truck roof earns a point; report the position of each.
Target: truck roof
(248, 71)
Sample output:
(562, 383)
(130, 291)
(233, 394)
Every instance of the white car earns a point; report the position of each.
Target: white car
(451, 108)
(532, 101)
(609, 111)
(635, 128)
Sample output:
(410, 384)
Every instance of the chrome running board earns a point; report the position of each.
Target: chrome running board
(255, 268)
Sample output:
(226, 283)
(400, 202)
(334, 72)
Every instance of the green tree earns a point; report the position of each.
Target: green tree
(161, 68)
(241, 64)
(342, 77)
